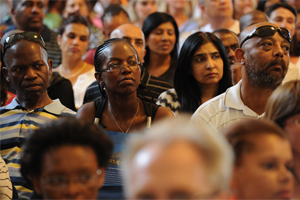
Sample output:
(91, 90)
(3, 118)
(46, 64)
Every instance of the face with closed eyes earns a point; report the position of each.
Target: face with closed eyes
(207, 65)
(264, 171)
(74, 41)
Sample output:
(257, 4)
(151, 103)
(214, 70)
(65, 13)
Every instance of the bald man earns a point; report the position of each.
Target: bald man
(150, 86)
(264, 56)
(251, 18)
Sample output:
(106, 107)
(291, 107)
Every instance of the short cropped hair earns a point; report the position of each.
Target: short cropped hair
(114, 10)
(66, 131)
(214, 147)
(239, 135)
(284, 103)
(281, 5)
(75, 18)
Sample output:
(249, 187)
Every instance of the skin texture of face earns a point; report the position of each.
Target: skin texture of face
(143, 8)
(264, 172)
(110, 23)
(29, 15)
(28, 69)
(74, 41)
(298, 27)
(265, 58)
(251, 18)
(155, 167)
(218, 8)
(207, 65)
(162, 39)
(283, 17)
(134, 36)
(70, 162)
(293, 132)
(76, 5)
(231, 43)
(120, 82)
(176, 4)
(242, 7)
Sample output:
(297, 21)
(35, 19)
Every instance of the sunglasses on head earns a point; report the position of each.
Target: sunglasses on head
(30, 36)
(268, 30)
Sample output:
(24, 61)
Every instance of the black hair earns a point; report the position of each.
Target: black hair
(74, 19)
(100, 57)
(66, 131)
(151, 23)
(224, 31)
(3, 82)
(294, 50)
(185, 84)
(261, 4)
(114, 10)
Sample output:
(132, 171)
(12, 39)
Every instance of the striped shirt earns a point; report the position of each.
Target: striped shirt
(170, 100)
(225, 109)
(6, 189)
(150, 87)
(16, 123)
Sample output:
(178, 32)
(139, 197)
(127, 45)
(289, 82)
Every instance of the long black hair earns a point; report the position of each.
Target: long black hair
(189, 94)
(151, 23)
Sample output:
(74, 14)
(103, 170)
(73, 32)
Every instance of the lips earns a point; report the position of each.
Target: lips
(75, 50)
(165, 46)
(211, 75)
(127, 80)
(284, 194)
(33, 86)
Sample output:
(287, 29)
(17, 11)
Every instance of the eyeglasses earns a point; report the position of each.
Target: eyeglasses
(30, 36)
(117, 67)
(61, 182)
(268, 30)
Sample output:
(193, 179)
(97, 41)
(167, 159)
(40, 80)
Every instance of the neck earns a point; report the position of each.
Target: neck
(123, 107)
(221, 23)
(31, 104)
(157, 61)
(70, 65)
(254, 97)
(208, 91)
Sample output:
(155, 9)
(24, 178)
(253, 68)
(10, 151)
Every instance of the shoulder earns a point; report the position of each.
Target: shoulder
(87, 112)
(163, 112)
(169, 99)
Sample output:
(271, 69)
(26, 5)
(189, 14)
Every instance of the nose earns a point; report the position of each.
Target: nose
(30, 73)
(76, 40)
(278, 51)
(72, 190)
(210, 64)
(286, 176)
(231, 53)
(36, 8)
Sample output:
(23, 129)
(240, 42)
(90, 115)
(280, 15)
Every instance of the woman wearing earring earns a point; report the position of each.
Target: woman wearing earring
(120, 109)
(73, 40)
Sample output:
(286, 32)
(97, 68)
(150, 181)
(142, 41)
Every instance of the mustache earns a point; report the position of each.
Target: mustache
(277, 62)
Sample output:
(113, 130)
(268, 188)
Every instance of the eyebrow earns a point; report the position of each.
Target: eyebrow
(203, 54)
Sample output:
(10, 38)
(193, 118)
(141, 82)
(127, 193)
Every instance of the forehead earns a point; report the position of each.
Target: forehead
(76, 2)
(282, 12)
(77, 28)
(20, 2)
(228, 37)
(120, 50)
(166, 25)
(132, 33)
(208, 47)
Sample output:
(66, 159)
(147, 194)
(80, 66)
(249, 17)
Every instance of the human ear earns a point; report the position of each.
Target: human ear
(101, 177)
(239, 55)
(58, 38)
(5, 73)
(98, 76)
(50, 65)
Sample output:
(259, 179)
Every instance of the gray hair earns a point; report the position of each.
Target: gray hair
(216, 150)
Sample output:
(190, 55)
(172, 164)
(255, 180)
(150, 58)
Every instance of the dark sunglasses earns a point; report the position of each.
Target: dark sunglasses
(268, 30)
(30, 36)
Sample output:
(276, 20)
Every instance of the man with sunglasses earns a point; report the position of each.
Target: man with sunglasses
(27, 68)
(264, 56)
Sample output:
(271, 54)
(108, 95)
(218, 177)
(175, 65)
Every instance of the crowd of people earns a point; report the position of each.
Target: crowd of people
(148, 99)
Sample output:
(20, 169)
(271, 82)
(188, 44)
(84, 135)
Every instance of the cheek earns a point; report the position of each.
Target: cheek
(293, 134)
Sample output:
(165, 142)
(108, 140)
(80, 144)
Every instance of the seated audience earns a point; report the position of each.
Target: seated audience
(263, 5)
(73, 40)
(66, 159)
(161, 35)
(202, 73)
(150, 86)
(53, 17)
(283, 108)
(27, 68)
(264, 56)
(173, 160)
(231, 43)
(120, 109)
(263, 160)
(139, 10)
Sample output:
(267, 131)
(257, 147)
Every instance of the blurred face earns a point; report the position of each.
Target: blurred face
(176, 4)
(29, 15)
(162, 39)
(125, 81)
(74, 41)
(218, 8)
(207, 65)
(143, 8)
(292, 129)
(242, 7)
(283, 17)
(69, 172)
(269, 3)
(28, 70)
(265, 170)
(298, 26)
(76, 5)
(178, 171)
(110, 23)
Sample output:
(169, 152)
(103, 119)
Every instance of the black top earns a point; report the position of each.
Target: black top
(150, 109)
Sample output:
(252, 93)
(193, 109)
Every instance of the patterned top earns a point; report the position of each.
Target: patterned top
(170, 100)
(16, 124)
(6, 189)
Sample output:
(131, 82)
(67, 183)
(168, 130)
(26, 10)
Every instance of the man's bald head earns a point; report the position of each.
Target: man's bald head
(251, 28)
(251, 18)
(133, 35)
